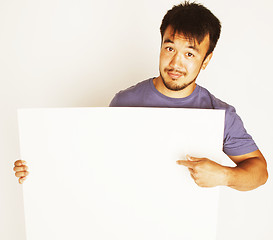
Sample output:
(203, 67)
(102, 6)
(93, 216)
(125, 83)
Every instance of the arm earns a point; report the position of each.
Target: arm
(250, 172)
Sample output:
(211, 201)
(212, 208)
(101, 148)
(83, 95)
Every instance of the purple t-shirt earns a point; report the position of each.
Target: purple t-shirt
(144, 94)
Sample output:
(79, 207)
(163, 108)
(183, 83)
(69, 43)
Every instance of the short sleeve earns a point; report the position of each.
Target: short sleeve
(114, 102)
(236, 139)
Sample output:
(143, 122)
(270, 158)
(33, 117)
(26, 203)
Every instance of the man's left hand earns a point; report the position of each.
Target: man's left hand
(205, 172)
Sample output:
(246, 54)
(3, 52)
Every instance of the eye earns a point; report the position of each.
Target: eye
(169, 49)
(189, 55)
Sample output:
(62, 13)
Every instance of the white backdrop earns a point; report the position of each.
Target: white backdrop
(67, 53)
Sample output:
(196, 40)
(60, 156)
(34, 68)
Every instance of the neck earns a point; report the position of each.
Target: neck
(160, 86)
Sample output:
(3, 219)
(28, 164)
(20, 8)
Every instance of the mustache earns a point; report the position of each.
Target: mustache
(175, 71)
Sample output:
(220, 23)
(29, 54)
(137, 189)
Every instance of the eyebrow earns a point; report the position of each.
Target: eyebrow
(168, 41)
(193, 47)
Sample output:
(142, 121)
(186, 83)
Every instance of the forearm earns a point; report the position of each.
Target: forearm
(247, 175)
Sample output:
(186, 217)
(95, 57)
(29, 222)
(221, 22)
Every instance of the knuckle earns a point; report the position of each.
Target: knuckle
(18, 169)
(198, 166)
(21, 174)
(18, 163)
(197, 182)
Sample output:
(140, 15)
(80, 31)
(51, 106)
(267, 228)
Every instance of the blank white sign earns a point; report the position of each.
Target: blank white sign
(111, 173)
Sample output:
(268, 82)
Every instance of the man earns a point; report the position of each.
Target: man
(189, 35)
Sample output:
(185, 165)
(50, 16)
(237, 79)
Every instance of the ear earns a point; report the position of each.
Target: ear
(206, 61)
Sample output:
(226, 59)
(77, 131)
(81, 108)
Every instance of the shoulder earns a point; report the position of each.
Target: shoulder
(217, 103)
(213, 102)
(130, 96)
(236, 139)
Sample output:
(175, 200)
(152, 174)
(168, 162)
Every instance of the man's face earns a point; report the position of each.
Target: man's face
(181, 60)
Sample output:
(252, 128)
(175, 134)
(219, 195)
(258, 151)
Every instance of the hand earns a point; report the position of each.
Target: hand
(205, 172)
(21, 170)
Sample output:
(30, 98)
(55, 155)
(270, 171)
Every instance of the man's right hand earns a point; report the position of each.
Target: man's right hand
(20, 169)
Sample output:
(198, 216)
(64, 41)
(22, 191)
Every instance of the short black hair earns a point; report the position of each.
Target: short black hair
(194, 21)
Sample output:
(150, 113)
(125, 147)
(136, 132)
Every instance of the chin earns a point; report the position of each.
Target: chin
(174, 87)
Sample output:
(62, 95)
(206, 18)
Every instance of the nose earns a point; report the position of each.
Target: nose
(177, 62)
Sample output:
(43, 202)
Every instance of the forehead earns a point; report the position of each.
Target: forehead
(175, 37)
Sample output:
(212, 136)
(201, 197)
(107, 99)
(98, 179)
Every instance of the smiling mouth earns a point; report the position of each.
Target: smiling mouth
(175, 75)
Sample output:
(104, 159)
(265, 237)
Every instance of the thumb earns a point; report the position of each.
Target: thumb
(193, 159)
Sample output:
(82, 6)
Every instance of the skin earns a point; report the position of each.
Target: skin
(20, 169)
(181, 60)
(180, 63)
